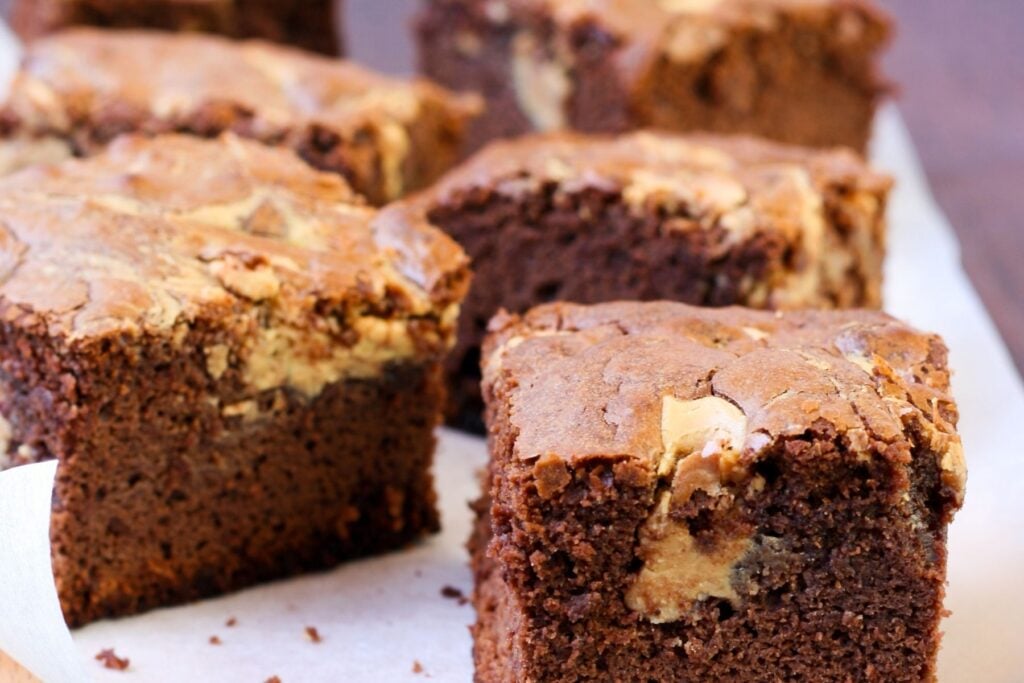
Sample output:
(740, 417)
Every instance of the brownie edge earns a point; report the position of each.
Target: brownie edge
(797, 71)
(235, 361)
(313, 25)
(709, 220)
(683, 494)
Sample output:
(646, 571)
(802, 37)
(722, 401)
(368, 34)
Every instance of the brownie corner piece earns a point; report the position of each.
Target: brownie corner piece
(77, 90)
(683, 494)
(307, 24)
(236, 363)
(803, 72)
(703, 219)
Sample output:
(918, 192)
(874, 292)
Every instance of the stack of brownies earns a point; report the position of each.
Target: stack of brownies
(236, 303)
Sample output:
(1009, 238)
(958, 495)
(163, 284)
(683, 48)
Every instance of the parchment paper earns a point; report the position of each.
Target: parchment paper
(380, 617)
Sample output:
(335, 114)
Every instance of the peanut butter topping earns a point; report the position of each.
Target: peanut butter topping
(71, 74)
(735, 189)
(677, 572)
(156, 235)
(698, 397)
(542, 83)
(738, 182)
(73, 83)
(710, 428)
(666, 382)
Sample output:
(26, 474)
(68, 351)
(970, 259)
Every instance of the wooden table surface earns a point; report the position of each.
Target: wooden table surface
(959, 65)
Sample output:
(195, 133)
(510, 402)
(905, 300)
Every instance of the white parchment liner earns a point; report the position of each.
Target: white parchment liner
(382, 616)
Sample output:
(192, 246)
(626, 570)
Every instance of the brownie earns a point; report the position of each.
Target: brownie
(711, 220)
(692, 494)
(799, 71)
(308, 24)
(79, 89)
(236, 363)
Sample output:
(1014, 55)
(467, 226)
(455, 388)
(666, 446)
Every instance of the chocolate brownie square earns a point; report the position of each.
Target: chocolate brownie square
(79, 89)
(692, 494)
(710, 220)
(799, 71)
(308, 24)
(236, 363)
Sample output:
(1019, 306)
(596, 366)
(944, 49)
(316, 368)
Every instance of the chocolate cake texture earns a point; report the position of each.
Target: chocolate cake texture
(692, 494)
(703, 219)
(236, 362)
(309, 24)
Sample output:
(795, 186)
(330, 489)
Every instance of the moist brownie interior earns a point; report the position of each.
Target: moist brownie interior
(235, 361)
(309, 24)
(683, 494)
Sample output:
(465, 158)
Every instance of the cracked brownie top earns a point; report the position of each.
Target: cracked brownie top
(740, 181)
(154, 236)
(664, 382)
(689, 30)
(820, 209)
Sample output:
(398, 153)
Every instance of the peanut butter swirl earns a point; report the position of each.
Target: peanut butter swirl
(156, 235)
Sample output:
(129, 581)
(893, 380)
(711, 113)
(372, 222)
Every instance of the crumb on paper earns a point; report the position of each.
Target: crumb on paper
(215, 640)
(231, 622)
(417, 668)
(273, 679)
(109, 660)
(455, 594)
(312, 635)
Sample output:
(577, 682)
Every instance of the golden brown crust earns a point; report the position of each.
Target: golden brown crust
(155, 233)
(632, 15)
(77, 72)
(720, 174)
(587, 381)
(802, 71)
(86, 85)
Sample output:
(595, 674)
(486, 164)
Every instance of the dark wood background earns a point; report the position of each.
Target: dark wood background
(960, 69)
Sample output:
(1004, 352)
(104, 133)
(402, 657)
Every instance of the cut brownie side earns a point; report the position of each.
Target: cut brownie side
(801, 72)
(79, 89)
(699, 219)
(681, 494)
(308, 24)
(237, 365)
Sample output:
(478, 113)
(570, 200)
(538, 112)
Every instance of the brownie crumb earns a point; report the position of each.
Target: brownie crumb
(417, 668)
(273, 679)
(312, 635)
(112, 661)
(231, 623)
(455, 594)
(215, 640)
(308, 25)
